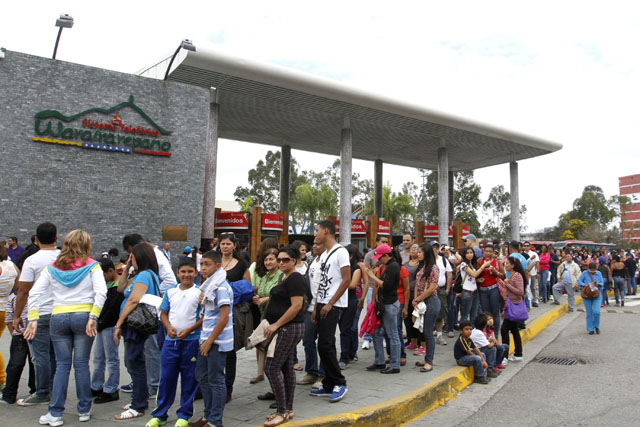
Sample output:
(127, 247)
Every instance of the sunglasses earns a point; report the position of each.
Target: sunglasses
(281, 260)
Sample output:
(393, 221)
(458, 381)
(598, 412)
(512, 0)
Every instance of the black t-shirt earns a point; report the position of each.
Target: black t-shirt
(237, 272)
(461, 346)
(390, 281)
(352, 292)
(630, 263)
(280, 298)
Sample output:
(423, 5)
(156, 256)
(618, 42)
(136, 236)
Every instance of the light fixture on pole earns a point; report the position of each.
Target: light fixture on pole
(65, 21)
(186, 44)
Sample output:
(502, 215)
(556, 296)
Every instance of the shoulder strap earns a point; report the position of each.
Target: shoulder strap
(156, 290)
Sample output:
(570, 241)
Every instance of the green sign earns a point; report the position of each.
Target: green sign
(110, 134)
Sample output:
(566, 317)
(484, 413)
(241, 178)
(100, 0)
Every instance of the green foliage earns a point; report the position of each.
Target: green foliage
(591, 212)
(397, 207)
(497, 208)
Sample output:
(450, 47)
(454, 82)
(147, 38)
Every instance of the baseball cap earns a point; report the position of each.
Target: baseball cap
(187, 249)
(471, 237)
(381, 250)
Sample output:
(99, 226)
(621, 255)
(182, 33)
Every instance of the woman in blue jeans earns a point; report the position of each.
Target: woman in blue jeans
(592, 278)
(145, 281)
(78, 288)
(427, 290)
(469, 297)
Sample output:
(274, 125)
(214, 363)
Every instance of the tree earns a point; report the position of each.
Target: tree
(591, 211)
(314, 201)
(397, 207)
(498, 208)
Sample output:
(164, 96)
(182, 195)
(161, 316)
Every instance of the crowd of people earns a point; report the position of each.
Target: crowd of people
(61, 306)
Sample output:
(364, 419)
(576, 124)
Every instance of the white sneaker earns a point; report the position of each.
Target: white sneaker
(440, 340)
(50, 420)
(84, 417)
(365, 345)
(384, 343)
(317, 385)
(517, 359)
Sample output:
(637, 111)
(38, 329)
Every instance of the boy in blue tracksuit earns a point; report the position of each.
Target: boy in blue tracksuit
(179, 313)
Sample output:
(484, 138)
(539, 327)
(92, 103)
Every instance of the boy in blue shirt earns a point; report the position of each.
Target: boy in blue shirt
(179, 313)
(216, 339)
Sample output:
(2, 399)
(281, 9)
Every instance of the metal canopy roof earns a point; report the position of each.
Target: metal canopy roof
(274, 105)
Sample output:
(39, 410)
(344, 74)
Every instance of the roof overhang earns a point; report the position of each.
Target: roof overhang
(273, 105)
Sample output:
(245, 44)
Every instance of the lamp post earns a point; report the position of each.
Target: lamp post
(65, 21)
(186, 44)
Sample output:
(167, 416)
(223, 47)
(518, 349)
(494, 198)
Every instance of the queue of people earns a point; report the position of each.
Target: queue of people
(62, 305)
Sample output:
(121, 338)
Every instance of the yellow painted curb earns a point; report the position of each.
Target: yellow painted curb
(419, 402)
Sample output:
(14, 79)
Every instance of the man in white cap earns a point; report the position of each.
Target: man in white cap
(472, 241)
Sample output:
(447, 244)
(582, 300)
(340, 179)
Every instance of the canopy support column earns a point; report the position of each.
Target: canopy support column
(451, 196)
(346, 155)
(515, 202)
(443, 195)
(377, 188)
(285, 178)
(211, 161)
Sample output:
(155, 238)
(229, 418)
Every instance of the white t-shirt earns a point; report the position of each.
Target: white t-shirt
(468, 281)
(314, 277)
(479, 338)
(533, 258)
(31, 270)
(442, 279)
(198, 259)
(7, 280)
(167, 278)
(331, 277)
(183, 308)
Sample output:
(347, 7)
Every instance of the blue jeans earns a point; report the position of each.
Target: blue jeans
(475, 361)
(310, 349)
(400, 320)
(71, 342)
(491, 302)
(592, 307)
(354, 332)
(631, 285)
(544, 285)
(210, 375)
(389, 322)
(618, 290)
(490, 355)
(502, 351)
(138, 372)
(105, 353)
(470, 305)
(152, 363)
(452, 310)
(347, 351)
(178, 358)
(607, 287)
(429, 325)
(44, 357)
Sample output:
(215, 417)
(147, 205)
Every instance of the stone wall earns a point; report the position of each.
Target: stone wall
(106, 193)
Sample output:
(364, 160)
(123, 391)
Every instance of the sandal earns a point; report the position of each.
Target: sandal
(423, 369)
(275, 414)
(420, 364)
(275, 421)
(128, 414)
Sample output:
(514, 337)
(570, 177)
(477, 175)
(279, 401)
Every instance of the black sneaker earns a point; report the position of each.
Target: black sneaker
(96, 393)
(375, 367)
(481, 380)
(107, 397)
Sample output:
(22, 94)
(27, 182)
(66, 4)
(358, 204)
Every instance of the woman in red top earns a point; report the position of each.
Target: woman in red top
(490, 300)
(545, 274)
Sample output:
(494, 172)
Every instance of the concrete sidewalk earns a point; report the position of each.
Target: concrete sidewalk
(365, 389)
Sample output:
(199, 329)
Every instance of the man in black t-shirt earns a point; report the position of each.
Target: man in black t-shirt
(630, 265)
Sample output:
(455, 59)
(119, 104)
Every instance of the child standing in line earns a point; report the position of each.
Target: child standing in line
(467, 354)
(481, 342)
(179, 313)
(105, 350)
(216, 339)
(502, 350)
(18, 354)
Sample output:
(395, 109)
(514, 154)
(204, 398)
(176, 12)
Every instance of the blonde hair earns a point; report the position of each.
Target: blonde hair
(76, 245)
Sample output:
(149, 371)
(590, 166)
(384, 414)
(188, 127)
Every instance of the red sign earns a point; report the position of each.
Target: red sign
(232, 220)
(357, 226)
(272, 222)
(384, 228)
(431, 231)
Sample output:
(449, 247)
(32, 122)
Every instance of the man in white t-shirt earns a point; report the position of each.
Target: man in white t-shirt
(444, 287)
(533, 266)
(331, 300)
(41, 347)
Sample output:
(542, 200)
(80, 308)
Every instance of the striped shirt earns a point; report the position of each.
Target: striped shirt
(10, 313)
(462, 346)
(224, 296)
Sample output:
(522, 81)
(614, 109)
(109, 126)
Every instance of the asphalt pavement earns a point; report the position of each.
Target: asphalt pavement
(600, 389)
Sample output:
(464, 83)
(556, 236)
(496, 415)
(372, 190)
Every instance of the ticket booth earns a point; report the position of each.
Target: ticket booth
(233, 222)
(358, 233)
(457, 233)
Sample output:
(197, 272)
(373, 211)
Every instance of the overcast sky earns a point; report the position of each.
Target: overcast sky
(564, 71)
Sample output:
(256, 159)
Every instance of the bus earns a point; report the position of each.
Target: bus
(585, 244)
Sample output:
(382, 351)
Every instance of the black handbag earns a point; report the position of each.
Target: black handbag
(144, 317)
